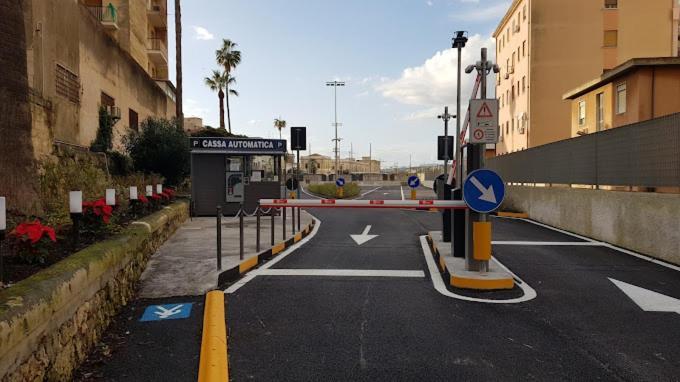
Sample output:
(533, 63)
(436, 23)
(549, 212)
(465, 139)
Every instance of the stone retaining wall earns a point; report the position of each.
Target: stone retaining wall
(644, 222)
(50, 321)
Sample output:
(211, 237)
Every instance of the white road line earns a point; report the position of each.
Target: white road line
(368, 192)
(607, 245)
(529, 292)
(402, 192)
(565, 243)
(308, 194)
(234, 287)
(340, 272)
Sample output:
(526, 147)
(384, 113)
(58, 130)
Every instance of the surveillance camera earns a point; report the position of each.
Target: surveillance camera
(469, 69)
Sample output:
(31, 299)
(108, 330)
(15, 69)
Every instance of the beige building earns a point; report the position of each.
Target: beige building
(321, 164)
(638, 90)
(83, 55)
(547, 47)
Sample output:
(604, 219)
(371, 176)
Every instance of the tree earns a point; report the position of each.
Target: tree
(217, 82)
(178, 64)
(229, 58)
(160, 148)
(18, 170)
(279, 124)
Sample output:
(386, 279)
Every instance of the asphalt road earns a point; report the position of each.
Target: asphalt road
(368, 325)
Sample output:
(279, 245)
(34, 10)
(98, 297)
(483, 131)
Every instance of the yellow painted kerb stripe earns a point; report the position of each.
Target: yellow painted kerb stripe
(470, 283)
(247, 265)
(213, 365)
(523, 215)
(298, 237)
(278, 248)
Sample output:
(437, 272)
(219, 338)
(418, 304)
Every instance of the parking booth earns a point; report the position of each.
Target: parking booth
(234, 173)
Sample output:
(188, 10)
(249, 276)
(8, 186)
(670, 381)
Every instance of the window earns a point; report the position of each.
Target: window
(506, 128)
(512, 121)
(513, 92)
(581, 113)
(621, 98)
(599, 98)
(107, 100)
(524, 12)
(134, 120)
(524, 78)
(611, 4)
(507, 65)
(513, 60)
(524, 48)
(518, 88)
(610, 38)
(67, 84)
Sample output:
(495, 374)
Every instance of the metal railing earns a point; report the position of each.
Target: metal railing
(107, 13)
(643, 154)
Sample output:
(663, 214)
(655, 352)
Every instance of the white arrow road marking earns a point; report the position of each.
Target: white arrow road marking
(487, 193)
(364, 237)
(165, 313)
(648, 300)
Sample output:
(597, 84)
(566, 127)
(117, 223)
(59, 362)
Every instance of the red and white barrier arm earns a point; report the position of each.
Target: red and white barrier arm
(340, 203)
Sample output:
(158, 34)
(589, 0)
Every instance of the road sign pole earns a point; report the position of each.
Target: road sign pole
(298, 172)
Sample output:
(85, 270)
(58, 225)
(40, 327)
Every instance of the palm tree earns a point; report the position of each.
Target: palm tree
(279, 124)
(229, 58)
(178, 65)
(217, 82)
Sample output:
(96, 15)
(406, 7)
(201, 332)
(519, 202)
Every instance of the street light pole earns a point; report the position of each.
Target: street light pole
(335, 85)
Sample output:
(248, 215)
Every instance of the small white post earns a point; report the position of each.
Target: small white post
(110, 196)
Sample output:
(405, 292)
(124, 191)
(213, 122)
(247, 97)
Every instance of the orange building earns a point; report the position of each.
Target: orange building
(637, 90)
(547, 47)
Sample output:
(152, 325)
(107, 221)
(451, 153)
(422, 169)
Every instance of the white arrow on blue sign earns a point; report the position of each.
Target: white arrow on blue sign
(340, 182)
(166, 312)
(413, 181)
(483, 191)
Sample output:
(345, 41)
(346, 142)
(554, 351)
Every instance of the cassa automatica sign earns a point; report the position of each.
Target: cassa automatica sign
(238, 146)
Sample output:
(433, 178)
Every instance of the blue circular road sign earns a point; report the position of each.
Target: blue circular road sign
(413, 181)
(483, 191)
(340, 182)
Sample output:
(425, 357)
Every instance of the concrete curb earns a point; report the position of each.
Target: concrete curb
(467, 280)
(214, 365)
(520, 215)
(246, 265)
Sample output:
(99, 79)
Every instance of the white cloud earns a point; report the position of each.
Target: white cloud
(482, 13)
(429, 3)
(202, 33)
(192, 108)
(433, 84)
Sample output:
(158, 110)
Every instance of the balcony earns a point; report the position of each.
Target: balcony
(157, 13)
(107, 16)
(158, 52)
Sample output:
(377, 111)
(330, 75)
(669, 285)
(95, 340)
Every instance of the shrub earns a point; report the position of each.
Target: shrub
(120, 164)
(162, 147)
(32, 241)
(104, 140)
(329, 190)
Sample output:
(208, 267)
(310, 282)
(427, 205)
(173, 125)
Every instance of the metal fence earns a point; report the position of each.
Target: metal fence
(645, 154)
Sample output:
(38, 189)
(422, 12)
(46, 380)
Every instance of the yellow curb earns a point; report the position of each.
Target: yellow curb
(474, 283)
(213, 365)
(442, 263)
(523, 215)
(297, 237)
(278, 248)
(247, 264)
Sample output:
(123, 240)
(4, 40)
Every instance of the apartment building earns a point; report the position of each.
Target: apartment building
(638, 90)
(87, 54)
(321, 164)
(547, 47)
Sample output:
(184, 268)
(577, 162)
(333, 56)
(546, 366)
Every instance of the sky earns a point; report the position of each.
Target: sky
(394, 55)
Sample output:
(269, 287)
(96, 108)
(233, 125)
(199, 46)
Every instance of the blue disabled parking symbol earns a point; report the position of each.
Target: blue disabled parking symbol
(413, 181)
(483, 191)
(166, 312)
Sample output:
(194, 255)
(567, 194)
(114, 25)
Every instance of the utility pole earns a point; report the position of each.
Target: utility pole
(335, 85)
(458, 218)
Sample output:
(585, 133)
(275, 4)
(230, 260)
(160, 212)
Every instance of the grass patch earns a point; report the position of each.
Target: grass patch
(329, 190)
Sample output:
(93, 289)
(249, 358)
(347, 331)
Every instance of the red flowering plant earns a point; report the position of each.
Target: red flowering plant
(155, 201)
(168, 195)
(138, 207)
(32, 241)
(96, 217)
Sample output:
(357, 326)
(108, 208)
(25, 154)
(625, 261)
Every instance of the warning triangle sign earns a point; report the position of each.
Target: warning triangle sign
(484, 111)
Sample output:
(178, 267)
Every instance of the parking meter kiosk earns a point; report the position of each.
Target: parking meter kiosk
(232, 172)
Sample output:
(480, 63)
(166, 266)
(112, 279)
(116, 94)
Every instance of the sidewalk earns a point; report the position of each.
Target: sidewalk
(186, 264)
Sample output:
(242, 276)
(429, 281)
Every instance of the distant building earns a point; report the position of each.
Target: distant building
(547, 47)
(638, 90)
(324, 165)
(87, 54)
(193, 124)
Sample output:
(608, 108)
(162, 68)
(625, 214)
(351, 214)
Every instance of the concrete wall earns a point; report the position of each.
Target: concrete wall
(51, 320)
(648, 223)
